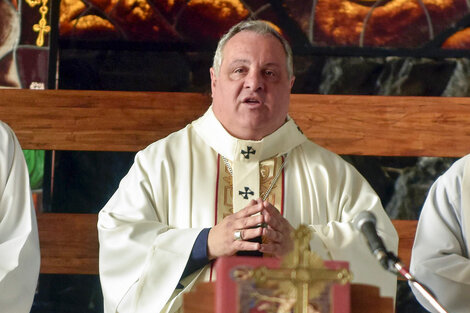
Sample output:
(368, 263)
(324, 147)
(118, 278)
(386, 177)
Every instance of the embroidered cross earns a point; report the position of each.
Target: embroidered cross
(246, 193)
(249, 151)
(302, 275)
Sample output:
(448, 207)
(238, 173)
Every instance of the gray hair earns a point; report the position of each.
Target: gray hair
(259, 27)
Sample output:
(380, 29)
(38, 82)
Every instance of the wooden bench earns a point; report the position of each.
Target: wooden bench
(129, 121)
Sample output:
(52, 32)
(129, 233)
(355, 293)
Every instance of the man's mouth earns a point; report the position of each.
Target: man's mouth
(251, 100)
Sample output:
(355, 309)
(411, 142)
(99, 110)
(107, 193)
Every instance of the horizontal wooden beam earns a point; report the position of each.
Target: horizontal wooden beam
(406, 230)
(96, 120)
(385, 125)
(69, 242)
(129, 121)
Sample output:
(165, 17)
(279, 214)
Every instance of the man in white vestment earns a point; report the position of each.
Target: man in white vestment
(199, 193)
(19, 243)
(440, 255)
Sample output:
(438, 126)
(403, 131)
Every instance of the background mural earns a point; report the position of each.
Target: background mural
(354, 23)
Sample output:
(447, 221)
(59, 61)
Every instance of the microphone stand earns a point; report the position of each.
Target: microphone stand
(365, 222)
(396, 266)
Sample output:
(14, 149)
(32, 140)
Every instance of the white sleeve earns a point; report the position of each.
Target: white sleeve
(329, 193)
(340, 240)
(439, 258)
(142, 258)
(19, 243)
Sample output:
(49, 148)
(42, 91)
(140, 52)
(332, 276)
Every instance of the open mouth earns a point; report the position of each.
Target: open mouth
(251, 101)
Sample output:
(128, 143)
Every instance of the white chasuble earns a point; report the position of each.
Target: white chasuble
(181, 184)
(19, 243)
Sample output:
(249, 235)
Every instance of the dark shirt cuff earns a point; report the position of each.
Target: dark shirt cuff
(198, 257)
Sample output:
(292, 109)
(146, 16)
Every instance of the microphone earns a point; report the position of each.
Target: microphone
(365, 223)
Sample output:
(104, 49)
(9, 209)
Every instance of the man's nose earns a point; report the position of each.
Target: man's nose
(254, 81)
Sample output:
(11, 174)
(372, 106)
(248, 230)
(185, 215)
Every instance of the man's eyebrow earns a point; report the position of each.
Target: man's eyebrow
(238, 61)
(245, 61)
(272, 64)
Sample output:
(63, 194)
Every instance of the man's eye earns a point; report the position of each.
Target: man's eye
(269, 73)
(238, 70)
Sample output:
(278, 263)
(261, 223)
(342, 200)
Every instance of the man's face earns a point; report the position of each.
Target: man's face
(251, 92)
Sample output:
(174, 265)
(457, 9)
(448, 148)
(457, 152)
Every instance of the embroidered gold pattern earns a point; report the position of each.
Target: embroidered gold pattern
(228, 193)
(268, 170)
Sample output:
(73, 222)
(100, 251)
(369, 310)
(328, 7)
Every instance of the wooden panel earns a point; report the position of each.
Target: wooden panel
(96, 120)
(385, 126)
(69, 243)
(366, 298)
(201, 299)
(406, 230)
(129, 121)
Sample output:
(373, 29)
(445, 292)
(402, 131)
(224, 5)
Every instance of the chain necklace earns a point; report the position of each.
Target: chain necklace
(273, 182)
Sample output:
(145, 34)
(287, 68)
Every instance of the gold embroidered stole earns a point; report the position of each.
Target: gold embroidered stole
(268, 171)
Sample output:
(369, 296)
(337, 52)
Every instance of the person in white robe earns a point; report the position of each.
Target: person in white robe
(440, 254)
(210, 180)
(19, 243)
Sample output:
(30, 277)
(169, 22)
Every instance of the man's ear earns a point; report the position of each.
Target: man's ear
(292, 80)
(213, 79)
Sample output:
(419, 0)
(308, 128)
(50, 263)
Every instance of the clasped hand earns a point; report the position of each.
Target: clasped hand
(276, 231)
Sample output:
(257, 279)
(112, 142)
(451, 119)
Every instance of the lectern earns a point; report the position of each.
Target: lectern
(301, 283)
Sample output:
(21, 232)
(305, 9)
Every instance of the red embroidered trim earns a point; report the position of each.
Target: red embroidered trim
(283, 189)
(216, 203)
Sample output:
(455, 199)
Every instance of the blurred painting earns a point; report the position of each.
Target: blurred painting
(407, 24)
(24, 43)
